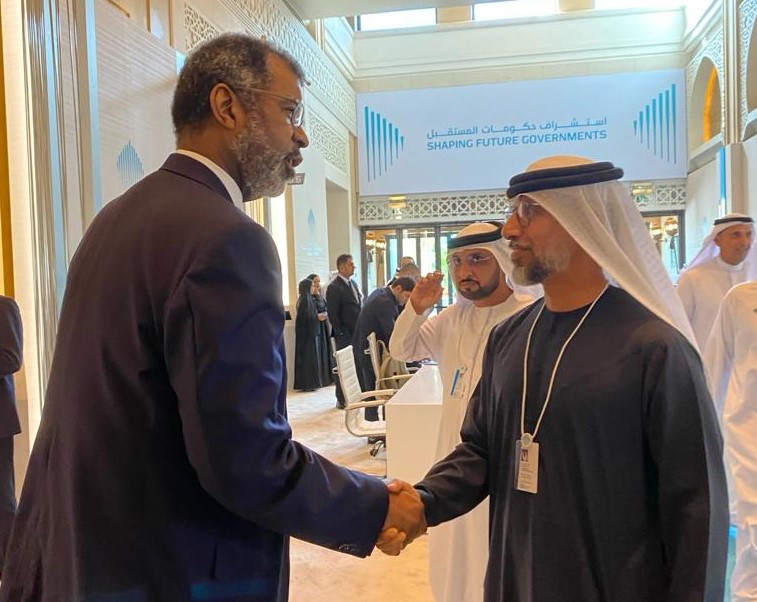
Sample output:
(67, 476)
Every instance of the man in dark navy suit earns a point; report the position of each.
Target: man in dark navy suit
(11, 354)
(343, 303)
(380, 312)
(164, 468)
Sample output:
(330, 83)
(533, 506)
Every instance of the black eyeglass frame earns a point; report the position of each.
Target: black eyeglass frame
(297, 114)
(522, 209)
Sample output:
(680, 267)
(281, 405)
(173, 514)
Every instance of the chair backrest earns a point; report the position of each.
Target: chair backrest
(345, 364)
(389, 368)
(354, 419)
(373, 351)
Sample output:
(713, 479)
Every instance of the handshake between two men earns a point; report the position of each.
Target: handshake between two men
(405, 518)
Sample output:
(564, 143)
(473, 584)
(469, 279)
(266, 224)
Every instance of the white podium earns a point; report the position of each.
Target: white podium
(413, 416)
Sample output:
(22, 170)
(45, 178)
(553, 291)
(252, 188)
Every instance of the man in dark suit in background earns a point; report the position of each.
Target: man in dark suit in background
(11, 356)
(164, 468)
(379, 314)
(343, 302)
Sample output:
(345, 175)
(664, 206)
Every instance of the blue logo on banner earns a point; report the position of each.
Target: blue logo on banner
(383, 143)
(129, 165)
(656, 126)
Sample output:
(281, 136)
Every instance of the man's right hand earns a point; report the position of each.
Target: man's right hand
(428, 290)
(405, 518)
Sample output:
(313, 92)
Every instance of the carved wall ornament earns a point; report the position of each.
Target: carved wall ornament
(747, 23)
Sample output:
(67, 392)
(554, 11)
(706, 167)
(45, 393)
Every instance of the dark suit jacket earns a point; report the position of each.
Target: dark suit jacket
(343, 311)
(164, 468)
(378, 315)
(11, 356)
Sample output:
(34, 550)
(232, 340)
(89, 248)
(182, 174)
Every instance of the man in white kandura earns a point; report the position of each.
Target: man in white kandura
(727, 258)
(731, 356)
(479, 261)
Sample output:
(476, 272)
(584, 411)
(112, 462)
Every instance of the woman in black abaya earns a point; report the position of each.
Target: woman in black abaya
(327, 363)
(307, 328)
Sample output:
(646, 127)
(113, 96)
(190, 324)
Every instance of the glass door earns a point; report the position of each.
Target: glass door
(446, 233)
(384, 248)
(380, 254)
(666, 231)
(420, 245)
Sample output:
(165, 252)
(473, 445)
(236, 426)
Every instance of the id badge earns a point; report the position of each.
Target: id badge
(459, 390)
(458, 383)
(527, 467)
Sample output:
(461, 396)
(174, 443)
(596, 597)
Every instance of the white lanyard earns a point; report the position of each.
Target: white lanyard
(466, 327)
(527, 438)
(459, 388)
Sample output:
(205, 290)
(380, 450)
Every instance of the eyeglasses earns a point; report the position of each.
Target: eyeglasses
(523, 210)
(472, 259)
(296, 113)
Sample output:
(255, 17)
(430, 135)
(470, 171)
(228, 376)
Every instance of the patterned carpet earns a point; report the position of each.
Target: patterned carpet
(320, 575)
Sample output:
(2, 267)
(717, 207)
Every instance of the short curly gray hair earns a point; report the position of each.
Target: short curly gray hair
(235, 59)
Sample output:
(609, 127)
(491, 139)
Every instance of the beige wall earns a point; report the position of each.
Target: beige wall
(750, 175)
(310, 220)
(703, 191)
(561, 45)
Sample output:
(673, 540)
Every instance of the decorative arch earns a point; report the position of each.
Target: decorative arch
(706, 110)
(751, 71)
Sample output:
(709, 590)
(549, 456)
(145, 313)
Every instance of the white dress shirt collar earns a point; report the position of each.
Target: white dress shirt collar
(228, 182)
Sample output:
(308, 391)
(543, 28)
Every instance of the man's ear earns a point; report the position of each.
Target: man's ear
(225, 107)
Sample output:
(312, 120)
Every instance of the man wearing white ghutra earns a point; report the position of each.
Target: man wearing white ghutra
(622, 494)
(479, 264)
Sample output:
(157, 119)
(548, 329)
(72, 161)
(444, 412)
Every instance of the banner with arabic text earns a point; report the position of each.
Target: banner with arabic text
(476, 137)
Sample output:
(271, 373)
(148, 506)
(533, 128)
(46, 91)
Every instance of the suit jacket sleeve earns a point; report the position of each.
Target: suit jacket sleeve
(385, 315)
(334, 306)
(11, 337)
(224, 349)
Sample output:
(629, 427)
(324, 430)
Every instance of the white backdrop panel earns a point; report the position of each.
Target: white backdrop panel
(476, 137)
(136, 74)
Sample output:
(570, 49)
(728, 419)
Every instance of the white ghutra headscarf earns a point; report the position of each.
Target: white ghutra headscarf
(710, 249)
(488, 236)
(600, 215)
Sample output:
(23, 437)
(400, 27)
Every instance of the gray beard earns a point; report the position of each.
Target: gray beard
(541, 268)
(534, 273)
(262, 168)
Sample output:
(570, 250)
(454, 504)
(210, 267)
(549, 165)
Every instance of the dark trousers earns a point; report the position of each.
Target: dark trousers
(7, 494)
(367, 380)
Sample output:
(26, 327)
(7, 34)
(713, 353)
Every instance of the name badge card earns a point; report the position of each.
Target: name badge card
(458, 385)
(527, 467)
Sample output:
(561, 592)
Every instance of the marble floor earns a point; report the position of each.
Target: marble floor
(320, 575)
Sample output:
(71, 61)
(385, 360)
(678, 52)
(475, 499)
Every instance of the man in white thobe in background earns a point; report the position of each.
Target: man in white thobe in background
(727, 258)
(478, 260)
(731, 356)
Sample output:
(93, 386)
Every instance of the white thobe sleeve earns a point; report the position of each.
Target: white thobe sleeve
(415, 336)
(685, 289)
(718, 356)
(735, 349)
